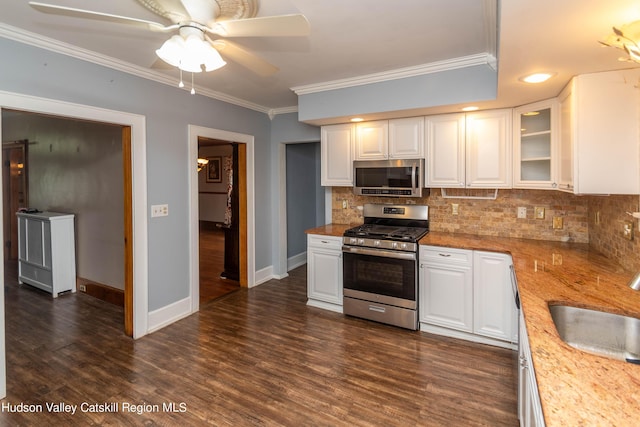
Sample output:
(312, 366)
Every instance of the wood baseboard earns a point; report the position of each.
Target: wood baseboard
(98, 290)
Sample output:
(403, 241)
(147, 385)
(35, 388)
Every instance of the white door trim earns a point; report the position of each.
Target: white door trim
(194, 251)
(139, 177)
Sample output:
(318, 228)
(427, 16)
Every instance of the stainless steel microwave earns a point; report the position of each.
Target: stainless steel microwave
(394, 178)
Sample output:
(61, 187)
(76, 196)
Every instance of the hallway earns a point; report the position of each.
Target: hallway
(212, 264)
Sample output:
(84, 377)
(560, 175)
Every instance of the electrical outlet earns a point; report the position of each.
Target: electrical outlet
(557, 222)
(82, 288)
(159, 210)
(597, 218)
(538, 212)
(522, 212)
(454, 208)
(344, 203)
(627, 230)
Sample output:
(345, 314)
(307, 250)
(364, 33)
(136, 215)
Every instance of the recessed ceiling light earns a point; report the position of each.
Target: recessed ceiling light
(357, 119)
(471, 108)
(537, 77)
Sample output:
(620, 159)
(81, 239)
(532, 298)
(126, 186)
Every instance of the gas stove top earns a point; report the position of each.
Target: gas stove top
(397, 227)
(387, 232)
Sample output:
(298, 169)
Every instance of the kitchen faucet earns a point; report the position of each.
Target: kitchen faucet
(635, 282)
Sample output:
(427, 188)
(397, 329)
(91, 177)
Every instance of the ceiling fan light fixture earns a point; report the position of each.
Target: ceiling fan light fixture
(190, 54)
(171, 50)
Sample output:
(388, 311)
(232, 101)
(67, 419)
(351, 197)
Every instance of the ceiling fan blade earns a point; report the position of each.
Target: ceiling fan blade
(268, 26)
(80, 13)
(243, 57)
(202, 11)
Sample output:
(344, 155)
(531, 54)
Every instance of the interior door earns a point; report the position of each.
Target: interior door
(14, 192)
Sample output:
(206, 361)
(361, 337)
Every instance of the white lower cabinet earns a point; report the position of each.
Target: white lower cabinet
(494, 311)
(529, 407)
(467, 294)
(446, 288)
(324, 272)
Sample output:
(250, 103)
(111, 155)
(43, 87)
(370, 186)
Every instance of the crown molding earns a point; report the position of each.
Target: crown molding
(400, 73)
(37, 40)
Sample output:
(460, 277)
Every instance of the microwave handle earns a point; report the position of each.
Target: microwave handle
(413, 178)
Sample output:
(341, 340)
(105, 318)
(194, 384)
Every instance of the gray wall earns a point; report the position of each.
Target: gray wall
(168, 112)
(303, 181)
(76, 167)
(285, 128)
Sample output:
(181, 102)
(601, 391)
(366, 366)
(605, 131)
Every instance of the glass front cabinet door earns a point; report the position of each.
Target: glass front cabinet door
(535, 145)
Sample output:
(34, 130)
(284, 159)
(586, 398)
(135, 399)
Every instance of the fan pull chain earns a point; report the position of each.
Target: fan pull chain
(181, 84)
(193, 90)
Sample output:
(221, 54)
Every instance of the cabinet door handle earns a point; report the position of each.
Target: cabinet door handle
(445, 255)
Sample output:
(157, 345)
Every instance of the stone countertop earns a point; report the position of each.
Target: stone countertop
(576, 388)
(336, 230)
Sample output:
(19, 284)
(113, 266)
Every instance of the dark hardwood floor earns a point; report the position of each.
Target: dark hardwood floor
(256, 357)
(212, 286)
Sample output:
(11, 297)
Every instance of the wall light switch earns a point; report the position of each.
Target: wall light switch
(159, 210)
(539, 212)
(454, 208)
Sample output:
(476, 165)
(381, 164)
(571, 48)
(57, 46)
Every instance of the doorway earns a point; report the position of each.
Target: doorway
(218, 213)
(15, 192)
(246, 214)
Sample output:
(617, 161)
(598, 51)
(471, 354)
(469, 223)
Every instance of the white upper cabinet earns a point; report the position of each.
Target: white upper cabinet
(489, 149)
(469, 150)
(372, 140)
(535, 129)
(600, 150)
(445, 140)
(390, 139)
(336, 146)
(406, 138)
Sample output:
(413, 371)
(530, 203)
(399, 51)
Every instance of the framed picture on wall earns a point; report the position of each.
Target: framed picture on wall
(214, 169)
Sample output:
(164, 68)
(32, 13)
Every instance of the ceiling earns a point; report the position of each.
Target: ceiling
(356, 38)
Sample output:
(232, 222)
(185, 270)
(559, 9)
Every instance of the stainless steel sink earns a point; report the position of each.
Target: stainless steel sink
(598, 332)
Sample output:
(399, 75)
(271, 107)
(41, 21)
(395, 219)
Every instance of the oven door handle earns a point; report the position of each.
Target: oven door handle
(380, 252)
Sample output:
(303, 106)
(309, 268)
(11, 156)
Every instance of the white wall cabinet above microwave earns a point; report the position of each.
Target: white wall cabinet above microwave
(470, 150)
(336, 152)
(390, 139)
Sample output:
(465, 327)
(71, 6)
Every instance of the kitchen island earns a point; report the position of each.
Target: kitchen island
(576, 388)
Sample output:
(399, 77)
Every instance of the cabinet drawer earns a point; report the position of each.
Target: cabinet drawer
(329, 242)
(30, 273)
(446, 255)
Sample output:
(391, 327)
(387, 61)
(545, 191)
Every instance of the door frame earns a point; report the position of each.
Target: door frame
(194, 250)
(138, 168)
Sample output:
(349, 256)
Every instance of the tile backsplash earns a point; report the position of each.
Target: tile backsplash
(486, 217)
(607, 215)
(597, 220)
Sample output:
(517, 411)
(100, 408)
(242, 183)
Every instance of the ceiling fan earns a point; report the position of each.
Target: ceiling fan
(202, 27)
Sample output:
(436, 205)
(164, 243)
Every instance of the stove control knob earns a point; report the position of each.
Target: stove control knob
(361, 241)
(403, 245)
(376, 243)
(353, 241)
(394, 245)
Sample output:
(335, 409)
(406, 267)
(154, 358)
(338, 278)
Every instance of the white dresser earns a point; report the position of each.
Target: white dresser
(46, 251)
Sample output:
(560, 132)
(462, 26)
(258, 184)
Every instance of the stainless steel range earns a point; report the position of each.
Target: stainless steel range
(380, 264)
